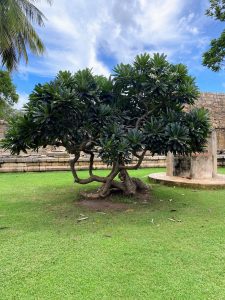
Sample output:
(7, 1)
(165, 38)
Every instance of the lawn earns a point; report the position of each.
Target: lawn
(170, 248)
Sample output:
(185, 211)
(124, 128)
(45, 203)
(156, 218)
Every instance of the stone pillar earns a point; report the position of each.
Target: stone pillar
(204, 165)
(213, 149)
(198, 165)
(169, 164)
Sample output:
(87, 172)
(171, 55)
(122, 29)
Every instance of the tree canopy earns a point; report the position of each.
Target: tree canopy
(8, 95)
(139, 108)
(17, 33)
(214, 57)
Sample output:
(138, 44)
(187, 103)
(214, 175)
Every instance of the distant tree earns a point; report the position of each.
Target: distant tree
(139, 109)
(214, 57)
(8, 95)
(17, 33)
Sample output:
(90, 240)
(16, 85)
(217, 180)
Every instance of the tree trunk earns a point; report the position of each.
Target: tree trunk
(129, 186)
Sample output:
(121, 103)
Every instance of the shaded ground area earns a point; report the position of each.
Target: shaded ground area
(103, 205)
(113, 202)
(171, 247)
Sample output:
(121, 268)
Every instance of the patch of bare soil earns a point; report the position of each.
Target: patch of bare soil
(93, 202)
(143, 197)
(103, 205)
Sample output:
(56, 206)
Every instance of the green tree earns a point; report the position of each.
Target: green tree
(138, 109)
(214, 57)
(8, 95)
(17, 33)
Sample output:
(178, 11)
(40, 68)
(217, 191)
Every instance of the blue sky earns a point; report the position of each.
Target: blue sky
(101, 33)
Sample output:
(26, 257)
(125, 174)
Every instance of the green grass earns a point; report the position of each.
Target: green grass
(135, 254)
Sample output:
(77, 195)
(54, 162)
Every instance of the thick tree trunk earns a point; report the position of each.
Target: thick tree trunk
(129, 186)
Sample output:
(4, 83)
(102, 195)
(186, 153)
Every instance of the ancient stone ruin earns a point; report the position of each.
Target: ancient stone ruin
(196, 166)
(195, 170)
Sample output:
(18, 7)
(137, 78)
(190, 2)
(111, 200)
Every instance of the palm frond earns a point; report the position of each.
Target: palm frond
(17, 33)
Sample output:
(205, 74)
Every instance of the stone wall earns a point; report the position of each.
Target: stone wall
(56, 163)
(55, 159)
(52, 159)
(215, 103)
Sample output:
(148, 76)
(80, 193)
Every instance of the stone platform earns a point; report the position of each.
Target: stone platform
(217, 182)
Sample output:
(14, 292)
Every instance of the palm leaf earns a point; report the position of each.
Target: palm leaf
(17, 33)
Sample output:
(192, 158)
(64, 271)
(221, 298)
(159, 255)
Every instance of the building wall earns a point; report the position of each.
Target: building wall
(215, 103)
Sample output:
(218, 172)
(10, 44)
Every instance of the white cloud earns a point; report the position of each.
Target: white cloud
(23, 99)
(76, 30)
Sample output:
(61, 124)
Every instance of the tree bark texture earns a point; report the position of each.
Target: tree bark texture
(117, 179)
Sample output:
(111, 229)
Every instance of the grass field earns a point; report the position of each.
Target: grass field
(170, 248)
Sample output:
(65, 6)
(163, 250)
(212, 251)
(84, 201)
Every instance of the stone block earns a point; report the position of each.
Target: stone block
(195, 166)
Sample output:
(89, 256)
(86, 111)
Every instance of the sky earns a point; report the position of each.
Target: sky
(98, 34)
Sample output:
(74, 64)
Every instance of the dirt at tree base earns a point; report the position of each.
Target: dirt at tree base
(103, 205)
(107, 204)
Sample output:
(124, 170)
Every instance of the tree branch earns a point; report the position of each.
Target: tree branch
(72, 166)
(92, 177)
(105, 189)
(141, 119)
(92, 156)
(76, 178)
(136, 155)
(135, 167)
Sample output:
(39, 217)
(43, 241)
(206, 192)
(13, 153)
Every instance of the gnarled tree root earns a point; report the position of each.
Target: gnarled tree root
(129, 187)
